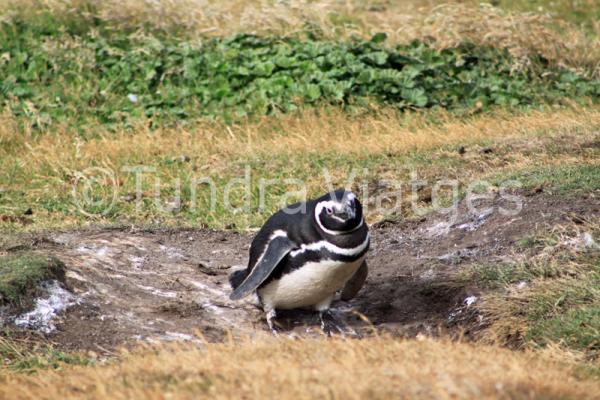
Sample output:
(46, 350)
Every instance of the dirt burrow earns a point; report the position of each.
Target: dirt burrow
(169, 285)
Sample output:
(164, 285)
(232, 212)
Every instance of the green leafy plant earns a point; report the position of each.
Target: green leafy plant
(59, 73)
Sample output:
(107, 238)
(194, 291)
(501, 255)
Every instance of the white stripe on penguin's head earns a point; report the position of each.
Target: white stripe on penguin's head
(319, 208)
(337, 206)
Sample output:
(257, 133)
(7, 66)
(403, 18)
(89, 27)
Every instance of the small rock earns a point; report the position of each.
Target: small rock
(462, 150)
(29, 211)
(205, 269)
(487, 150)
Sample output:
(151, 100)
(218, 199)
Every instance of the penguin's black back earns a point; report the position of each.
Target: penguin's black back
(237, 277)
(297, 221)
(298, 227)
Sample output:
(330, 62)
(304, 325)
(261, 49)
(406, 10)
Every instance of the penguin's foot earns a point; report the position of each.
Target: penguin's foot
(271, 314)
(330, 324)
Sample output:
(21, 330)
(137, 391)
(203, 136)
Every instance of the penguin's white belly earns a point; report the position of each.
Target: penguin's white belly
(310, 285)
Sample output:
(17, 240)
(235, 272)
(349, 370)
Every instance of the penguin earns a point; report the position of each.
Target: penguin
(304, 254)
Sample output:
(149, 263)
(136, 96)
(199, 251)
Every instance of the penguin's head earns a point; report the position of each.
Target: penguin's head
(339, 212)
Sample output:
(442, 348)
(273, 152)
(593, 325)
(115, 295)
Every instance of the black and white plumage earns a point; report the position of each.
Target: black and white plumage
(306, 252)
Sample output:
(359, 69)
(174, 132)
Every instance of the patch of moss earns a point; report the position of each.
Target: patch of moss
(22, 273)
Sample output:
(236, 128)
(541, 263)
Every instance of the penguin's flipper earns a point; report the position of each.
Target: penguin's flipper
(276, 250)
(355, 283)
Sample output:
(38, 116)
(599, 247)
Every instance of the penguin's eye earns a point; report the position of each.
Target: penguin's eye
(329, 210)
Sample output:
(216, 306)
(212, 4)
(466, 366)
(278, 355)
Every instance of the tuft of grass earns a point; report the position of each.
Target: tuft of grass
(379, 367)
(26, 357)
(22, 273)
(576, 328)
(529, 242)
(566, 310)
(494, 276)
(551, 296)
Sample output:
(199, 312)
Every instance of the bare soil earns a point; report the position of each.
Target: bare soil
(140, 285)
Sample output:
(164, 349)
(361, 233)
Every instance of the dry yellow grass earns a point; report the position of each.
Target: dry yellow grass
(313, 131)
(42, 168)
(526, 35)
(316, 368)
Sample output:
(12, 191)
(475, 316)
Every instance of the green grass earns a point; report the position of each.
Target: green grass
(564, 179)
(569, 313)
(494, 276)
(499, 275)
(21, 274)
(23, 357)
(577, 328)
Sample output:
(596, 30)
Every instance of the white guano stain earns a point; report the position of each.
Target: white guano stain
(470, 300)
(158, 292)
(46, 308)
